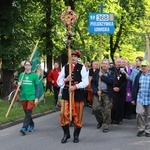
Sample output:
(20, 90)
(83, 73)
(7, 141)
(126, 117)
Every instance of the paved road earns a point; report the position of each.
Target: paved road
(48, 135)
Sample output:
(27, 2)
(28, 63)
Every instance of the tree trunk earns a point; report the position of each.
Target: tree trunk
(5, 21)
(49, 67)
(64, 59)
(7, 82)
(49, 43)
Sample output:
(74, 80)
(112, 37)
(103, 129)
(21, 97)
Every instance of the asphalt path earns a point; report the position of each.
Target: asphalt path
(48, 135)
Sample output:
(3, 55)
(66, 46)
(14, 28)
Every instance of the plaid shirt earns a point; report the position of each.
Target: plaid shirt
(143, 96)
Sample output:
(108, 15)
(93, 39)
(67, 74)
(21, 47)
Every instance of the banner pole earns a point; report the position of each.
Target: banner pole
(13, 100)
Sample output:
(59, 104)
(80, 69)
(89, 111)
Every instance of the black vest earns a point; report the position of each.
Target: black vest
(76, 73)
(76, 76)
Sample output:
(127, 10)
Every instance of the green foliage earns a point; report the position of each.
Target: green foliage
(23, 22)
(19, 35)
(28, 21)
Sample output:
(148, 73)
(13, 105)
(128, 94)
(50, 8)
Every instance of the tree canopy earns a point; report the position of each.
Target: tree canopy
(22, 23)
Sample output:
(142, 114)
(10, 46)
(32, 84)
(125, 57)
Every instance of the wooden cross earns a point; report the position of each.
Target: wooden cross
(102, 6)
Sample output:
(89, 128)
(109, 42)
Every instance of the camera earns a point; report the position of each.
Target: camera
(122, 69)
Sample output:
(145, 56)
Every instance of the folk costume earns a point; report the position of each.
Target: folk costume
(79, 81)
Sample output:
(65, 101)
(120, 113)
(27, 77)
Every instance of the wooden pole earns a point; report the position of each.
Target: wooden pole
(100, 52)
(70, 71)
(100, 55)
(70, 94)
(13, 100)
(147, 47)
(34, 49)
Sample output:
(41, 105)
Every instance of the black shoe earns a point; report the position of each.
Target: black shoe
(113, 122)
(105, 130)
(147, 134)
(23, 130)
(76, 139)
(140, 133)
(93, 112)
(119, 122)
(90, 106)
(99, 125)
(65, 138)
(76, 135)
(127, 117)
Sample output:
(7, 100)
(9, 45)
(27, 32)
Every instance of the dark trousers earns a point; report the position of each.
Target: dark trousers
(28, 107)
(28, 119)
(128, 109)
(117, 113)
(85, 97)
(56, 92)
(102, 109)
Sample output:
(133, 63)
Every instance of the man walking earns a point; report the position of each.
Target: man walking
(79, 80)
(102, 86)
(119, 93)
(141, 94)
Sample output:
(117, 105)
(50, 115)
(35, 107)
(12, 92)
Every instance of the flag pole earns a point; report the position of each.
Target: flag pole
(34, 49)
(11, 104)
(147, 48)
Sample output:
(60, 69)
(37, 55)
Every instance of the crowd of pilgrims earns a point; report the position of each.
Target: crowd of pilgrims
(125, 73)
(109, 93)
(113, 91)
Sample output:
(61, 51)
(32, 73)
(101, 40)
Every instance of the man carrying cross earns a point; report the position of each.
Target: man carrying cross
(79, 80)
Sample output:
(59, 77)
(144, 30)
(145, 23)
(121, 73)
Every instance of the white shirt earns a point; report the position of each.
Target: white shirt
(84, 78)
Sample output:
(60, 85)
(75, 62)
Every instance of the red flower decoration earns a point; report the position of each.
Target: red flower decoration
(78, 53)
(68, 17)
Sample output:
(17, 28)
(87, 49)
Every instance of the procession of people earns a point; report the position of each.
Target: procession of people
(112, 93)
(94, 91)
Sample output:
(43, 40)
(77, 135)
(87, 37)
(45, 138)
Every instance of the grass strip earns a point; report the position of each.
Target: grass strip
(17, 112)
